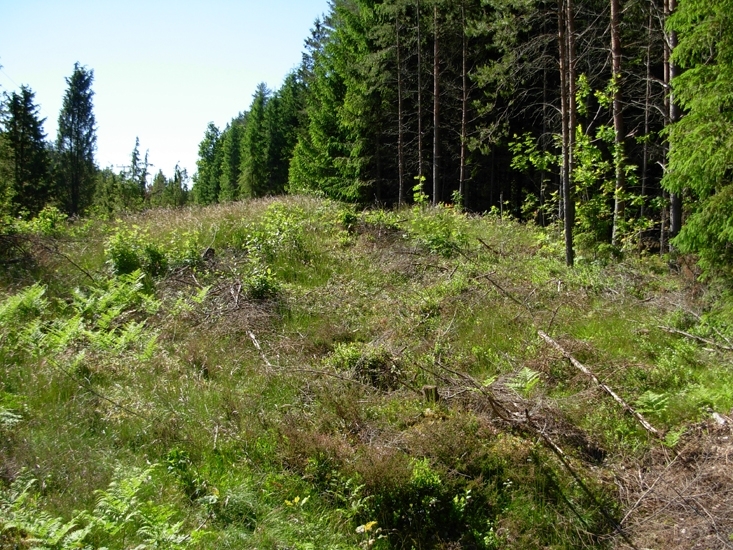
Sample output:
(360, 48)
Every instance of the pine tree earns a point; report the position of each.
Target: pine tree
(25, 152)
(76, 143)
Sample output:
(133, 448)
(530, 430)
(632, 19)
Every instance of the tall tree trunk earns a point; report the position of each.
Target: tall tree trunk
(436, 111)
(400, 126)
(618, 122)
(420, 159)
(566, 45)
(543, 141)
(647, 106)
(667, 95)
(464, 108)
(572, 102)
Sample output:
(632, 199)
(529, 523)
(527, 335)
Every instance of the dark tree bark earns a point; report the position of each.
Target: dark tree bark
(566, 44)
(618, 121)
(420, 158)
(400, 122)
(436, 110)
(464, 106)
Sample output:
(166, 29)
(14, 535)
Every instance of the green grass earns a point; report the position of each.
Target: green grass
(127, 354)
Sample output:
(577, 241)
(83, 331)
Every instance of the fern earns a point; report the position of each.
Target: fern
(20, 319)
(8, 419)
(121, 513)
(121, 519)
(525, 381)
(22, 520)
(21, 307)
(652, 403)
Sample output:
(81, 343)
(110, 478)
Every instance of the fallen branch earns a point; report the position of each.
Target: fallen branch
(647, 491)
(489, 248)
(504, 292)
(698, 338)
(259, 348)
(507, 416)
(55, 250)
(585, 370)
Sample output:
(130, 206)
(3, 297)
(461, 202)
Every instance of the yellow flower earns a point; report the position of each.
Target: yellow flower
(366, 527)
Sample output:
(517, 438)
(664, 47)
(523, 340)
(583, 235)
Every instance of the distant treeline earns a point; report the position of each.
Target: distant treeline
(612, 119)
(36, 172)
(547, 110)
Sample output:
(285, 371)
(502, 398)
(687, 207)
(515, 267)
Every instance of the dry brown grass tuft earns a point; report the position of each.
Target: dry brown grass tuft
(682, 500)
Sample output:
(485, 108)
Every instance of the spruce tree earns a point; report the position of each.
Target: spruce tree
(76, 143)
(231, 144)
(254, 174)
(701, 143)
(157, 189)
(139, 169)
(283, 123)
(25, 154)
(206, 181)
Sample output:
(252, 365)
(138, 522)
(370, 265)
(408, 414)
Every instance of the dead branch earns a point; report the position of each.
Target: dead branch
(259, 348)
(671, 330)
(585, 370)
(507, 416)
(504, 292)
(349, 379)
(701, 511)
(648, 490)
(55, 250)
(489, 248)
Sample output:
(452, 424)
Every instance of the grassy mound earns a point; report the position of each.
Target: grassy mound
(291, 373)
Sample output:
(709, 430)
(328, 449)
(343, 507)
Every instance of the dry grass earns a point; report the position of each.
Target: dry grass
(682, 500)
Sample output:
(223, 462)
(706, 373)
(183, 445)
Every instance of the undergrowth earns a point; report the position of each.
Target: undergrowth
(292, 373)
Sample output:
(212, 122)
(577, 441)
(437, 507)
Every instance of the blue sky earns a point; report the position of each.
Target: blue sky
(162, 69)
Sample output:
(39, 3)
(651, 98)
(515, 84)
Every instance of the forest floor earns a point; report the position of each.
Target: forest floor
(292, 373)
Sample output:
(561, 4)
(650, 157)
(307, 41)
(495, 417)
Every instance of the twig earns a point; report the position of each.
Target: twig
(236, 296)
(577, 364)
(552, 320)
(490, 249)
(649, 490)
(259, 348)
(332, 375)
(496, 406)
(696, 506)
(503, 413)
(195, 280)
(86, 385)
(504, 292)
(55, 250)
(693, 337)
